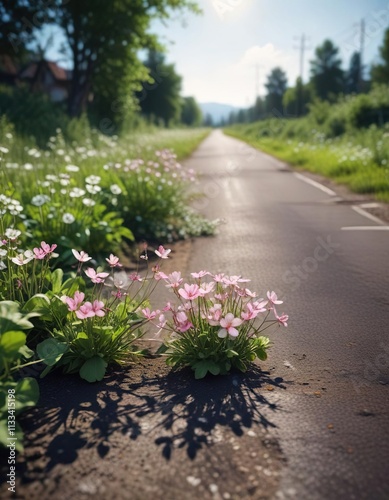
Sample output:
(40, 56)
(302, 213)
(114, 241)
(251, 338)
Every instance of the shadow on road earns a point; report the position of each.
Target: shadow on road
(170, 409)
(190, 410)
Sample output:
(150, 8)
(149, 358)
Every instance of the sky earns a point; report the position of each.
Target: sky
(225, 54)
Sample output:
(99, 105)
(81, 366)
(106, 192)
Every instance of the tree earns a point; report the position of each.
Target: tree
(103, 39)
(296, 99)
(276, 86)
(258, 110)
(160, 97)
(327, 77)
(380, 72)
(16, 30)
(190, 112)
(208, 120)
(354, 75)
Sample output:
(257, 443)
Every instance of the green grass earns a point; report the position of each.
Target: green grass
(360, 160)
(142, 190)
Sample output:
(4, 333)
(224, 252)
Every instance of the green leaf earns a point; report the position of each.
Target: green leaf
(12, 319)
(261, 354)
(26, 352)
(162, 349)
(93, 370)
(201, 369)
(231, 353)
(214, 368)
(11, 342)
(45, 371)
(27, 393)
(38, 304)
(56, 280)
(50, 351)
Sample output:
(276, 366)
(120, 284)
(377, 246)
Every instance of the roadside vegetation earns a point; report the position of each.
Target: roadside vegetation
(347, 141)
(336, 124)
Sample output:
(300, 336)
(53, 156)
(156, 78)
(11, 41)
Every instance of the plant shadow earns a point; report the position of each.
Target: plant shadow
(190, 410)
(168, 408)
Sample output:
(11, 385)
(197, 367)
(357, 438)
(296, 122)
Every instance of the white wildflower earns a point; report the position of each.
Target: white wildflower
(68, 218)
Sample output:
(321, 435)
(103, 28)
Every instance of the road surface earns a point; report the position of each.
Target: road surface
(330, 264)
(313, 424)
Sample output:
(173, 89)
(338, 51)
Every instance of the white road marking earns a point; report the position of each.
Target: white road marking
(365, 228)
(369, 205)
(360, 211)
(315, 184)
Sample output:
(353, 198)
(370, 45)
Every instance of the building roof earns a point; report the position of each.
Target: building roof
(59, 73)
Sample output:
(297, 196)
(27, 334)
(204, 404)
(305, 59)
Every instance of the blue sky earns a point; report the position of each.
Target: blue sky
(218, 52)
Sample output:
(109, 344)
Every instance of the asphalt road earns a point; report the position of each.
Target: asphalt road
(330, 266)
(312, 424)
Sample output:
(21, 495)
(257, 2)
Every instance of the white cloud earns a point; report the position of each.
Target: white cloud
(236, 83)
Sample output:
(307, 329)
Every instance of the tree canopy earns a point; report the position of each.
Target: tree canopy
(327, 77)
(160, 96)
(380, 72)
(276, 86)
(103, 39)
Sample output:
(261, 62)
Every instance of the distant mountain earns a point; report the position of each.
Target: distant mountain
(217, 110)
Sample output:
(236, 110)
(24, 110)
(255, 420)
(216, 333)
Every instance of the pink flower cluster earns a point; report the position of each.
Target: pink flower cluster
(44, 250)
(222, 302)
(86, 309)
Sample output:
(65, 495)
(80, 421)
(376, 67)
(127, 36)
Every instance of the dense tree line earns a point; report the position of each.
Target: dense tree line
(328, 80)
(103, 40)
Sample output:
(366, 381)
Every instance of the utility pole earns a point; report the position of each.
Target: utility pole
(361, 49)
(302, 48)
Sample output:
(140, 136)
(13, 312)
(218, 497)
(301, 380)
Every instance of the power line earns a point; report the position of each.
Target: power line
(302, 48)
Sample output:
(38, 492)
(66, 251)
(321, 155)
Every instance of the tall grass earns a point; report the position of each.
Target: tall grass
(98, 191)
(340, 141)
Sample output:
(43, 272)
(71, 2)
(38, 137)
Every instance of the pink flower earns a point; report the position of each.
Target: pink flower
(47, 248)
(283, 319)
(135, 277)
(234, 280)
(200, 274)
(39, 253)
(218, 277)
(248, 293)
(85, 311)
(221, 296)
(81, 256)
(161, 323)
(159, 275)
(182, 322)
(190, 292)
(250, 313)
(174, 279)
(97, 308)
(206, 288)
(23, 258)
(260, 305)
(215, 314)
(168, 307)
(74, 302)
(228, 325)
(113, 261)
(148, 314)
(273, 299)
(96, 277)
(162, 252)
